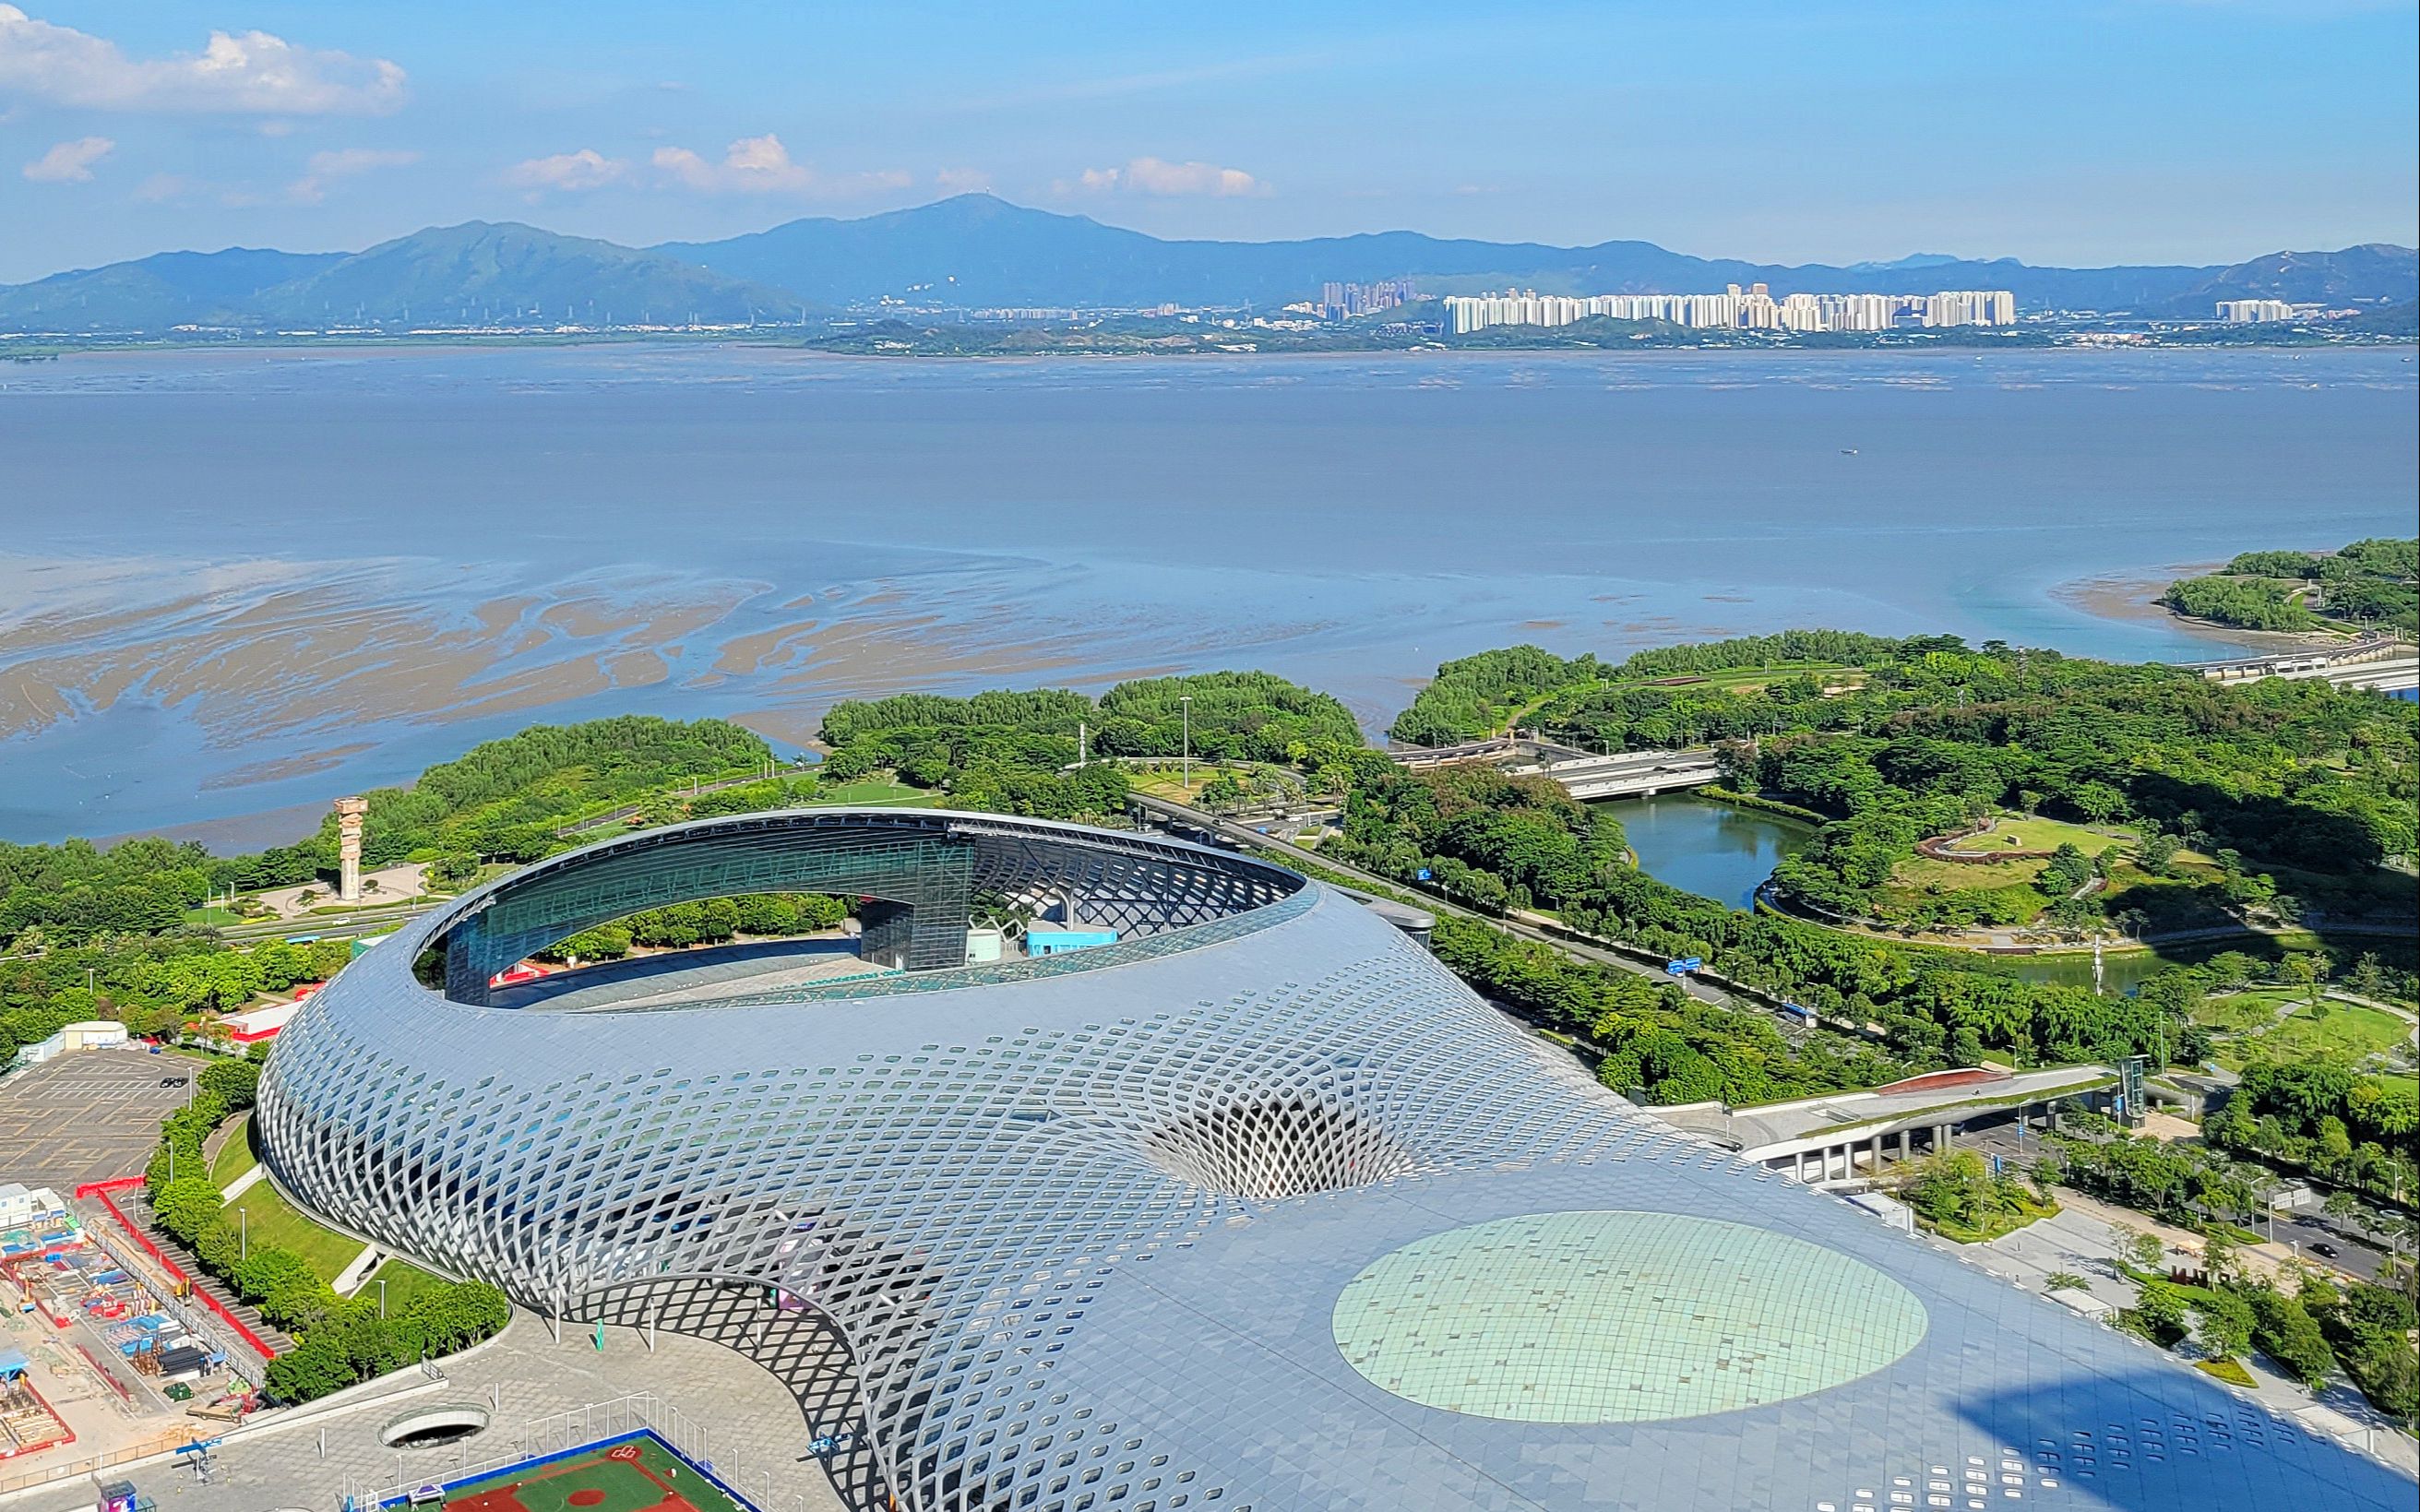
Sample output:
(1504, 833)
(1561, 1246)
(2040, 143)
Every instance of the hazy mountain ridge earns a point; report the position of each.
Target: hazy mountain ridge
(981, 251)
(976, 251)
(475, 272)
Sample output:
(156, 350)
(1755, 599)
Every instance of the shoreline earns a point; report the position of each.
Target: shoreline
(860, 644)
(353, 347)
(2129, 597)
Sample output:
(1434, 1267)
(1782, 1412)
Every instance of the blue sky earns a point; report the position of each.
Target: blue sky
(2123, 131)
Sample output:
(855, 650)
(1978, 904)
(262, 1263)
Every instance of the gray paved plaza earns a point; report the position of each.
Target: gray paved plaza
(86, 1115)
(754, 1430)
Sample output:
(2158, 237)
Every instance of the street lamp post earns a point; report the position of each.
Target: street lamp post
(382, 1297)
(244, 1233)
(1184, 701)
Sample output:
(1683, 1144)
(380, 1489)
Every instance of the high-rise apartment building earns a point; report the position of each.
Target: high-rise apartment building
(1337, 302)
(1750, 309)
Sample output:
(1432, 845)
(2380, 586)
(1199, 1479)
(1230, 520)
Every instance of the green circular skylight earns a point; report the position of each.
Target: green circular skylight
(1618, 1318)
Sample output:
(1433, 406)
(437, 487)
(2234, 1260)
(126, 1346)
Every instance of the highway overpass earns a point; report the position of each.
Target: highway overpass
(1847, 1137)
(1631, 774)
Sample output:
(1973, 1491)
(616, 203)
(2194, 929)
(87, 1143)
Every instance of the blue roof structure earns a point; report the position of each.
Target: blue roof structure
(1257, 1208)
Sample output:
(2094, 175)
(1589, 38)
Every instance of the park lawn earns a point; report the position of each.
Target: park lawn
(2245, 1013)
(877, 792)
(269, 1219)
(214, 917)
(1994, 1225)
(236, 1156)
(1169, 781)
(2334, 1031)
(2033, 833)
(404, 1282)
(1919, 872)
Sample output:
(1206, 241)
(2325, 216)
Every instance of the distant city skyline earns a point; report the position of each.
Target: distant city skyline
(1753, 308)
(2074, 134)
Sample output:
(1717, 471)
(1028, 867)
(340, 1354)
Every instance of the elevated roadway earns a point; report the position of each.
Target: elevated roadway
(2375, 661)
(1635, 774)
(1820, 1139)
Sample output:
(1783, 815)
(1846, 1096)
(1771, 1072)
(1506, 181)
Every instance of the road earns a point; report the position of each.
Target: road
(350, 924)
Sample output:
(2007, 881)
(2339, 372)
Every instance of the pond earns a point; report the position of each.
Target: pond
(2121, 971)
(1722, 852)
(1710, 848)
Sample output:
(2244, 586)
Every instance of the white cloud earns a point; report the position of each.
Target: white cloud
(584, 169)
(327, 167)
(163, 188)
(246, 73)
(762, 165)
(962, 180)
(1155, 176)
(69, 162)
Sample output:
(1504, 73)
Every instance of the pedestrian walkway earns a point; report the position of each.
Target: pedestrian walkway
(349, 1279)
(2082, 1240)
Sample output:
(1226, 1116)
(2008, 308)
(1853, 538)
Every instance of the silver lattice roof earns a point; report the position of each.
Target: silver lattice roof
(1258, 1209)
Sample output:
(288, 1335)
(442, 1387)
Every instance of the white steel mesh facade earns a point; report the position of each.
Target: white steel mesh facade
(1080, 1221)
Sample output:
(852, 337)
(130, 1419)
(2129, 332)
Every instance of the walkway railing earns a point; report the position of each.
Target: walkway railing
(61, 1473)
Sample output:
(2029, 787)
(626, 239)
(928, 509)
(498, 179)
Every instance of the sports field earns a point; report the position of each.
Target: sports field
(636, 1476)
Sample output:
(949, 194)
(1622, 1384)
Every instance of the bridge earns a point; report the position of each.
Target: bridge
(1824, 1140)
(1521, 745)
(1635, 774)
(2374, 661)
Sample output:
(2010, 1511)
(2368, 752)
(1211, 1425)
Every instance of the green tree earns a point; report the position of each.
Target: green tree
(2140, 1249)
(2222, 1325)
(234, 1081)
(2285, 1329)
(2161, 1309)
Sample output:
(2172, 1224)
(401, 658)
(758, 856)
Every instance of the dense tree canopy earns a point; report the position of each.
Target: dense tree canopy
(2368, 582)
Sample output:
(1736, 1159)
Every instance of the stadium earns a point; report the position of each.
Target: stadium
(1228, 1197)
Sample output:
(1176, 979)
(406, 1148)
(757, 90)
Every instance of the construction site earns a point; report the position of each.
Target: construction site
(103, 1358)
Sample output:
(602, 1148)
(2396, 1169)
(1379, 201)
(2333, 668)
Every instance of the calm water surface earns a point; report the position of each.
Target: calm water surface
(232, 582)
(1718, 851)
(1715, 850)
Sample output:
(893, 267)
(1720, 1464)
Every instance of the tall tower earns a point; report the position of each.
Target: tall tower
(349, 847)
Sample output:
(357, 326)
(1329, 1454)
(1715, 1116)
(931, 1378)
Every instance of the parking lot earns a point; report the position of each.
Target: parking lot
(87, 1115)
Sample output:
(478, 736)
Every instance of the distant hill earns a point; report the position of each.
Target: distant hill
(2366, 273)
(155, 293)
(975, 251)
(473, 271)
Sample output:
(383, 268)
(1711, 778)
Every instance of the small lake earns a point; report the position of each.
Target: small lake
(1725, 853)
(1711, 849)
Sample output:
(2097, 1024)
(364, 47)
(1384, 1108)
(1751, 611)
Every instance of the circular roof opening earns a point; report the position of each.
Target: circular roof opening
(1618, 1318)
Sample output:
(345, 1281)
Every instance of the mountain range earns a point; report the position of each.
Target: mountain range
(975, 251)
